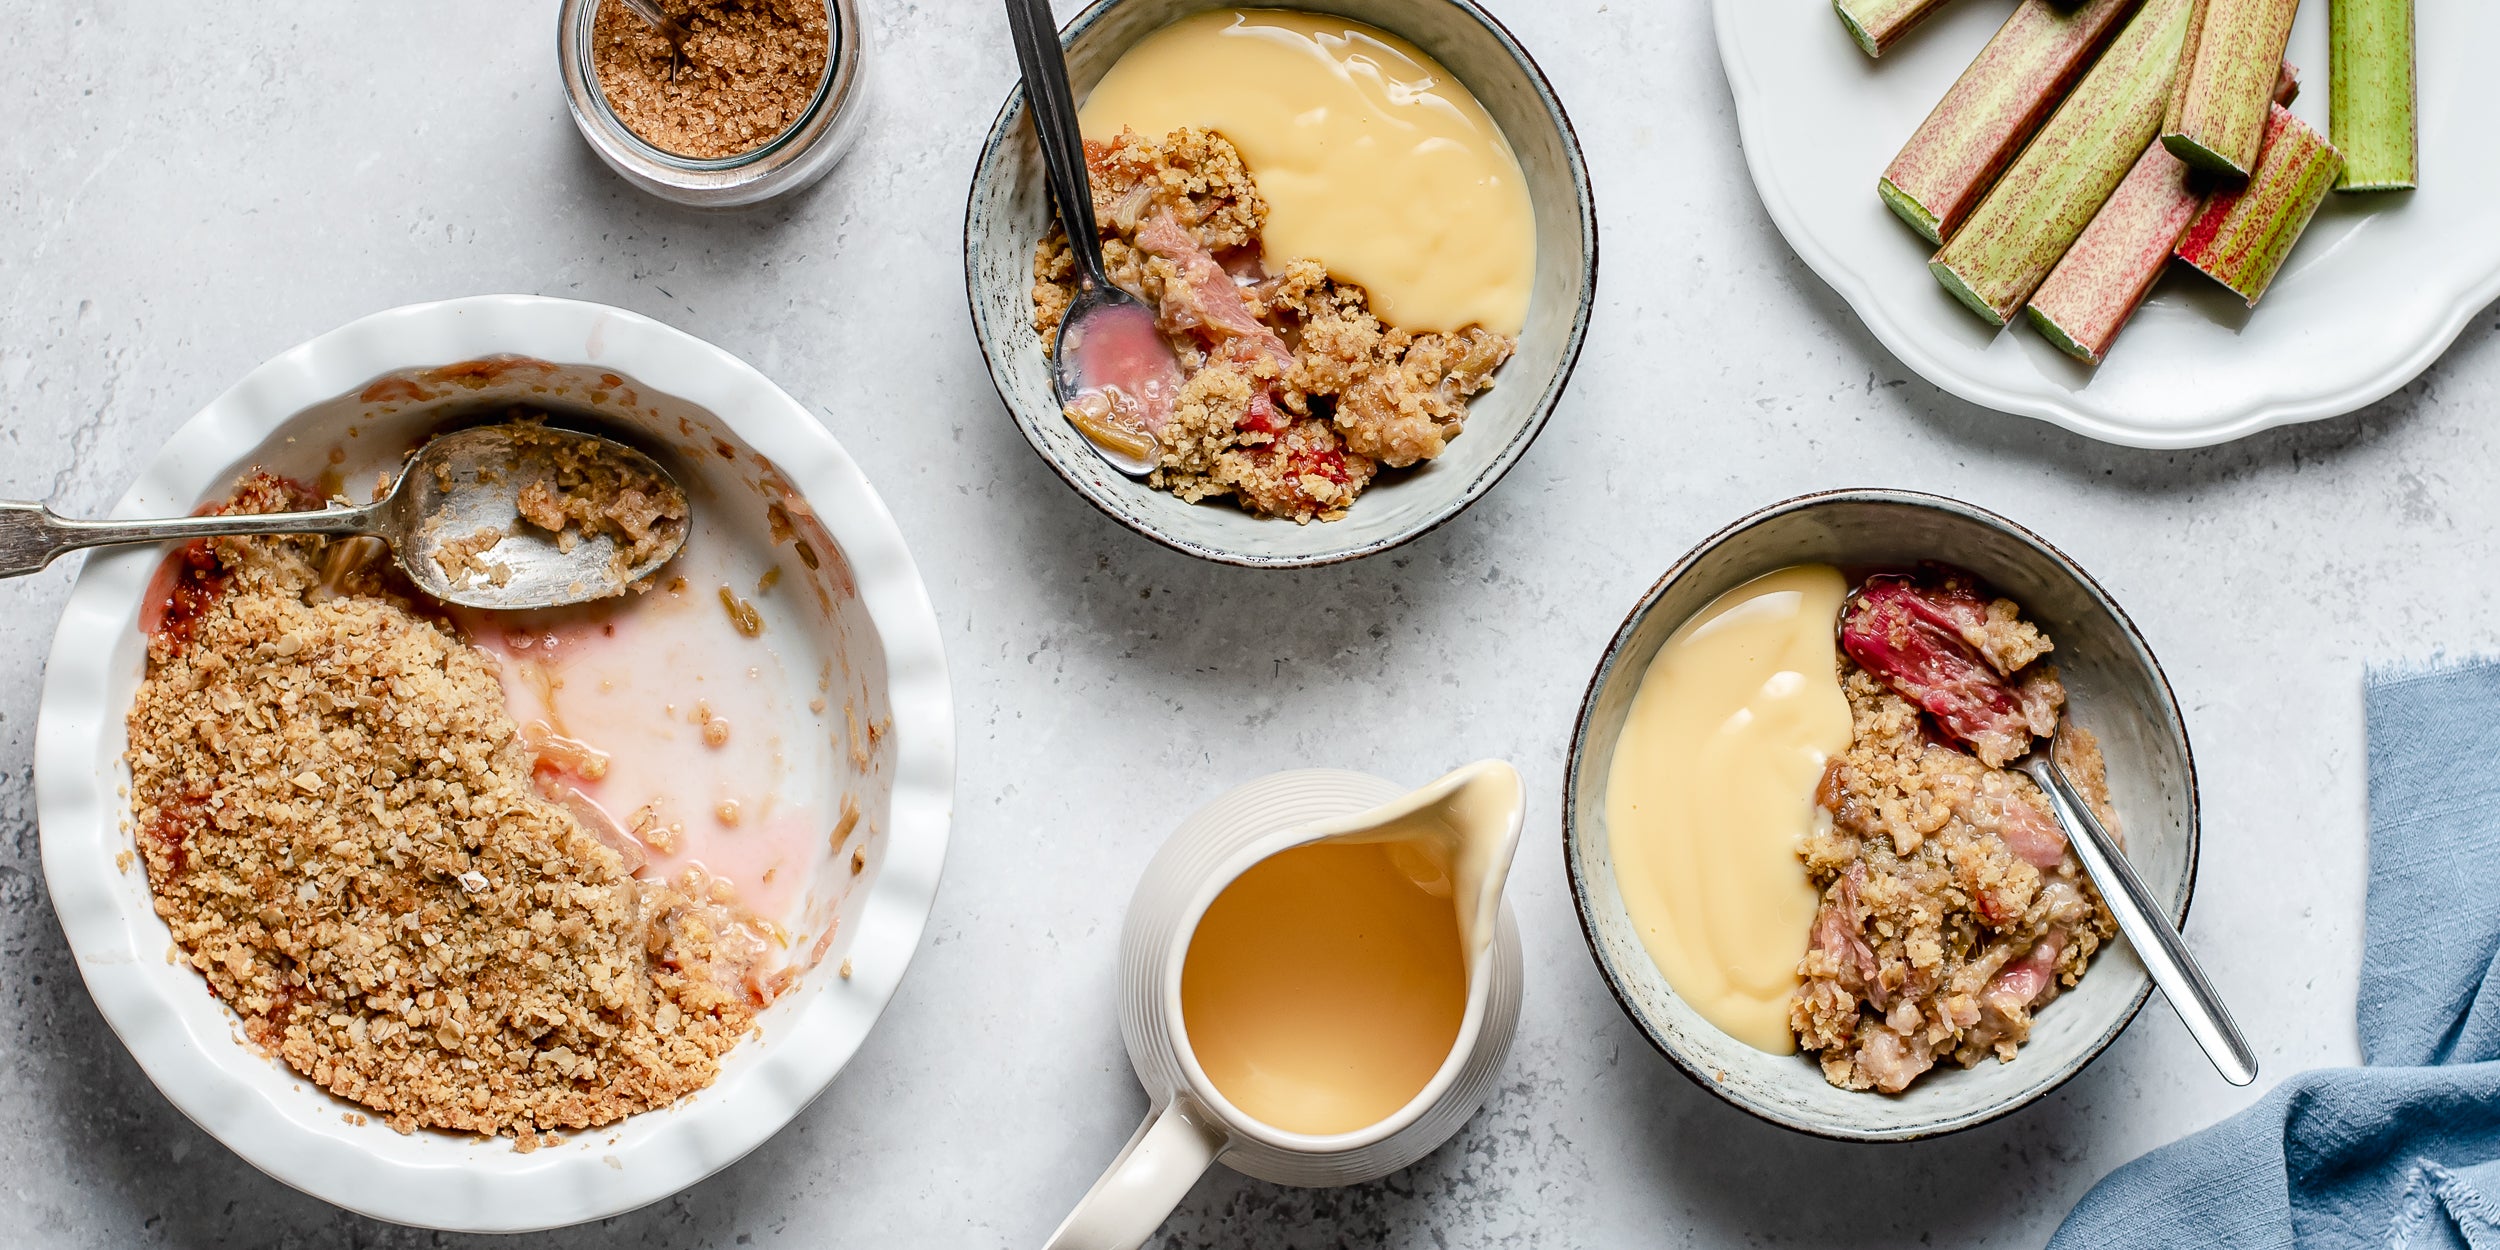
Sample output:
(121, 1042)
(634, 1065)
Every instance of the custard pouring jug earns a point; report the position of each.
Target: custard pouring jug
(1475, 813)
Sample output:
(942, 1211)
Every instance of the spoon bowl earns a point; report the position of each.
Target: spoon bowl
(457, 520)
(464, 485)
(1114, 376)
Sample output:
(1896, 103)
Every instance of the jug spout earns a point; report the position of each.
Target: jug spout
(1469, 820)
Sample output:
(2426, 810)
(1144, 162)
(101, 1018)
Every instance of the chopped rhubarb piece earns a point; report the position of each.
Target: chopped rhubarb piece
(2028, 977)
(2036, 211)
(1992, 109)
(2216, 116)
(2241, 236)
(1877, 24)
(1261, 417)
(1839, 932)
(2033, 838)
(2104, 277)
(2371, 93)
(1906, 633)
(1206, 301)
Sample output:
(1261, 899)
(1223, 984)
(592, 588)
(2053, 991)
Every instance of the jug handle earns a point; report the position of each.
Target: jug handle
(1149, 1177)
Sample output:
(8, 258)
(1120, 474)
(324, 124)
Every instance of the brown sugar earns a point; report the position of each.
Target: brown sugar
(342, 829)
(746, 73)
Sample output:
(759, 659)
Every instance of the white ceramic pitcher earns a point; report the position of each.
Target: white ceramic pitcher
(1191, 1123)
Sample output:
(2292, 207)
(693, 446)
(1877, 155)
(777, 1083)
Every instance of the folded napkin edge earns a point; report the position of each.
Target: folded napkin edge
(2439, 664)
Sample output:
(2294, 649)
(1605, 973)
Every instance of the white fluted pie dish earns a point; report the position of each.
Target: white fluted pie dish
(763, 472)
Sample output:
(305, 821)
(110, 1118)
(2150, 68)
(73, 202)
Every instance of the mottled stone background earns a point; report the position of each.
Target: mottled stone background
(188, 190)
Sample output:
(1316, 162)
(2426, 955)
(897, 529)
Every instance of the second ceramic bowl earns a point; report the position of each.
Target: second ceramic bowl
(1009, 211)
(2115, 688)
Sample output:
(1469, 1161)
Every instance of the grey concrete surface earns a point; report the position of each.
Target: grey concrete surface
(187, 190)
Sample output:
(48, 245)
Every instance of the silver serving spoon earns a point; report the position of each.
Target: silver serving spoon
(2147, 925)
(1110, 358)
(455, 489)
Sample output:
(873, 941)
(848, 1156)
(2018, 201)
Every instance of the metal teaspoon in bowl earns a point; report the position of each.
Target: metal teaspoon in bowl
(1971, 703)
(456, 492)
(1115, 376)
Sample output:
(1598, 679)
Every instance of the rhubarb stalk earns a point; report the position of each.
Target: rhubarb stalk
(2370, 93)
(1877, 24)
(1992, 109)
(2027, 221)
(2104, 277)
(2218, 102)
(2241, 235)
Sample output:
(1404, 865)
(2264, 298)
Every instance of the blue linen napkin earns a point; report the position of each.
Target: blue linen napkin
(2404, 1153)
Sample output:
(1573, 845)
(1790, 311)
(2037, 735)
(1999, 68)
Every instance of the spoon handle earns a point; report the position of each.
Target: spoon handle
(658, 19)
(2147, 926)
(31, 536)
(1054, 123)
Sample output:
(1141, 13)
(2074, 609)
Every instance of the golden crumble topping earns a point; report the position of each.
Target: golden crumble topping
(1952, 907)
(341, 827)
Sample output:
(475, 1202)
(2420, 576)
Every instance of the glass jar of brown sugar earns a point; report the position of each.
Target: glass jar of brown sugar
(758, 99)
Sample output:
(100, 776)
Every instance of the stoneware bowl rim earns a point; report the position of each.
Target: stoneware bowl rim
(1010, 122)
(445, 1181)
(1584, 906)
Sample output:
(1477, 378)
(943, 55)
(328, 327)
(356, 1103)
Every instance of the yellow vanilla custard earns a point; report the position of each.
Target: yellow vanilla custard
(1711, 795)
(1325, 986)
(1374, 161)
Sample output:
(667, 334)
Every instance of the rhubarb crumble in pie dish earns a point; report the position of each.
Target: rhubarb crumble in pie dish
(482, 920)
(1952, 907)
(1295, 396)
(399, 890)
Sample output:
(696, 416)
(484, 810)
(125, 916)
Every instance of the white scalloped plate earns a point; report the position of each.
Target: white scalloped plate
(2376, 290)
(741, 434)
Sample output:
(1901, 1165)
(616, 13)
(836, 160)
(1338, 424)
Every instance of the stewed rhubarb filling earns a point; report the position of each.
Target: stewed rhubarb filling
(1295, 393)
(1952, 909)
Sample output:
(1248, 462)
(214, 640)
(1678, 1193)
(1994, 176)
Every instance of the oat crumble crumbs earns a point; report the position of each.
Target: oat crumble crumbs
(458, 558)
(592, 491)
(1952, 908)
(742, 615)
(1296, 395)
(340, 826)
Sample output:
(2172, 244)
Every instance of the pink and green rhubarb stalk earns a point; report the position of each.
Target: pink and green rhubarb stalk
(2242, 235)
(1877, 24)
(2104, 277)
(2370, 93)
(1993, 108)
(2219, 100)
(2036, 211)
